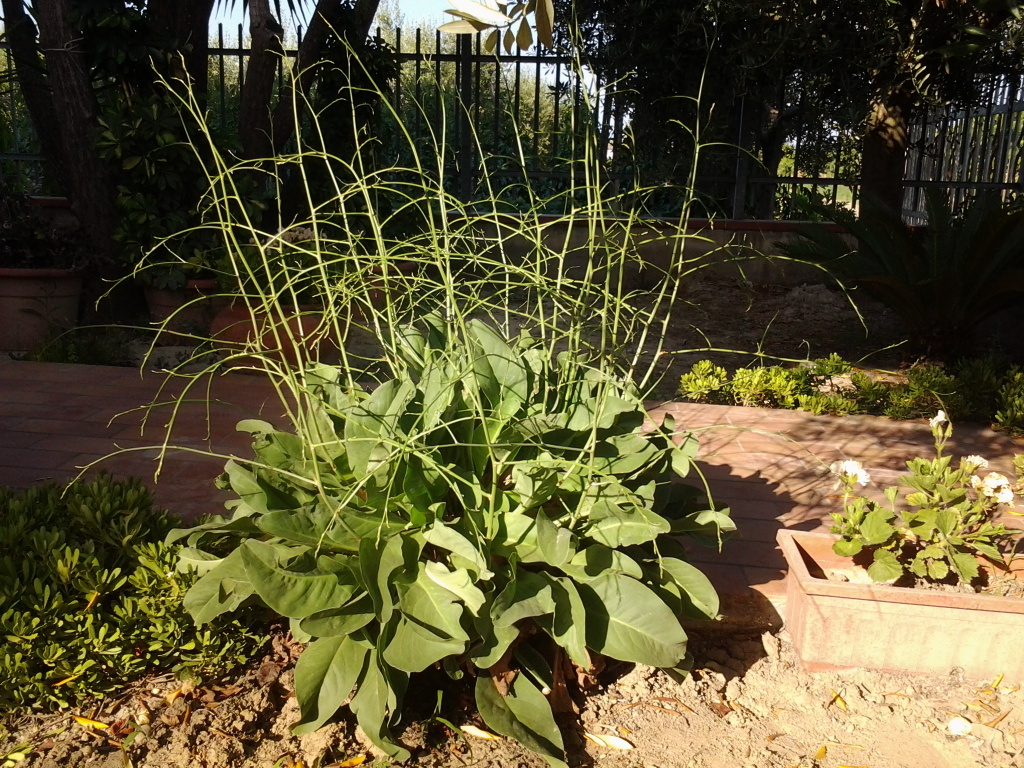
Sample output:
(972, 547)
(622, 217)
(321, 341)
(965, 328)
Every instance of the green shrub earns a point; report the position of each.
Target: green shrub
(1010, 415)
(944, 281)
(982, 389)
(90, 598)
(495, 510)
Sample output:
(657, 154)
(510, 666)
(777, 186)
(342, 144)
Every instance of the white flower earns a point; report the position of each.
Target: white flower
(938, 419)
(850, 468)
(993, 486)
(975, 461)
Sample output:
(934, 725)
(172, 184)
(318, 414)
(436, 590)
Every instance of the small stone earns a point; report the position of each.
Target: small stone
(959, 726)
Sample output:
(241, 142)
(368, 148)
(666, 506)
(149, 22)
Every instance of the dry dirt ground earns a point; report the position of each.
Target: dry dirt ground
(748, 703)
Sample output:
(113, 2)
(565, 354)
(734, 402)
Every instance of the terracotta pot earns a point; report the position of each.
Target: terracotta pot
(185, 313)
(238, 326)
(35, 305)
(839, 625)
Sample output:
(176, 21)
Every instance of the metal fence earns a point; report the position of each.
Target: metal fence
(533, 117)
(969, 149)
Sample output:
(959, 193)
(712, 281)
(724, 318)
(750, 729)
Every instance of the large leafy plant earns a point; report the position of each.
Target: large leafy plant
(495, 509)
(942, 281)
(947, 521)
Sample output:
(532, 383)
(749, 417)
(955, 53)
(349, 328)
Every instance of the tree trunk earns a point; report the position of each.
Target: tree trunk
(254, 118)
(28, 67)
(75, 110)
(187, 22)
(329, 17)
(884, 158)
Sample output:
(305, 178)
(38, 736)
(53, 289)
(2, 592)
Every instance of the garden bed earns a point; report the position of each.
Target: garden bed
(747, 704)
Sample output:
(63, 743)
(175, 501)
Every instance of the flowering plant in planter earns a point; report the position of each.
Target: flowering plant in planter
(948, 519)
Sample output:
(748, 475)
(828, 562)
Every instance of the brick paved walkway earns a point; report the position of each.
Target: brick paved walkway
(768, 466)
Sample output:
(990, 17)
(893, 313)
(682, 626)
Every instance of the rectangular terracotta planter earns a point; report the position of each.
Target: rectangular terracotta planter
(840, 625)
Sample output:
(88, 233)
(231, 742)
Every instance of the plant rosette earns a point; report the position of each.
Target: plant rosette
(948, 523)
(495, 511)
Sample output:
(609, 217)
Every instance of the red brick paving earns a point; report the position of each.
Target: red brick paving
(769, 466)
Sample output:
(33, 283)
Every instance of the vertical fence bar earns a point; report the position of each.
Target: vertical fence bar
(398, 79)
(220, 72)
(536, 110)
(465, 86)
(417, 86)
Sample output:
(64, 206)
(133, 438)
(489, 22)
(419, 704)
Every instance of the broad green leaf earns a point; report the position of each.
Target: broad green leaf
(620, 520)
(524, 715)
(494, 640)
(339, 622)
(503, 374)
(244, 483)
(352, 526)
(946, 520)
(292, 594)
(446, 537)
(596, 560)
(699, 598)
(628, 621)
(324, 676)
(938, 569)
(847, 547)
(885, 566)
(221, 590)
(459, 583)
(554, 542)
(568, 626)
(379, 565)
(429, 628)
(375, 703)
(876, 528)
(624, 454)
(192, 559)
(966, 566)
(532, 598)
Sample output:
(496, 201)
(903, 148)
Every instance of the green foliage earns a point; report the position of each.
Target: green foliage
(102, 345)
(492, 503)
(90, 599)
(1010, 415)
(981, 389)
(942, 282)
(764, 386)
(947, 518)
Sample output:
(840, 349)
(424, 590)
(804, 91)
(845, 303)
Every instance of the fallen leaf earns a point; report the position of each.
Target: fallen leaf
(822, 753)
(837, 700)
(66, 680)
(994, 722)
(720, 708)
(774, 736)
(173, 696)
(352, 762)
(614, 742)
(480, 733)
(997, 681)
(89, 723)
(672, 700)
